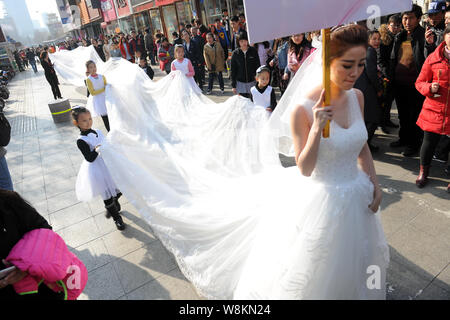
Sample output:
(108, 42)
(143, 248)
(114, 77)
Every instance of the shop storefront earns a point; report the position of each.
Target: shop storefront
(155, 21)
(212, 9)
(127, 24)
(142, 20)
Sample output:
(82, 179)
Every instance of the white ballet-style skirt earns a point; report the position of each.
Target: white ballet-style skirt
(97, 105)
(94, 180)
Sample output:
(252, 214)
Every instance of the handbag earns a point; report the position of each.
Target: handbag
(5, 130)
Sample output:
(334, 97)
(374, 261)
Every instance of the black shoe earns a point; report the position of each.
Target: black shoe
(390, 124)
(410, 152)
(373, 148)
(397, 144)
(119, 223)
(447, 170)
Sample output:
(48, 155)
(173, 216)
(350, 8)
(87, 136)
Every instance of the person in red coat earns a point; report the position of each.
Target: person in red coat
(125, 48)
(434, 119)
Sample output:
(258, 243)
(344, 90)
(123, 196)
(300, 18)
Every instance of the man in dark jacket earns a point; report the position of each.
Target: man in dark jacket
(234, 33)
(193, 53)
(407, 58)
(150, 46)
(32, 58)
(434, 34)
(244, 63)
(394, 27)
(200, 44)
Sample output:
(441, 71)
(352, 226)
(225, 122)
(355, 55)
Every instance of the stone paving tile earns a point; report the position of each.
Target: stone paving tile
(103, 284)
(434, 292)
(60, 186)
(143, 265)
(120, 243)
(70, 216)
(93, 254)
(80, 233)
(443, 279)
(62, 201)
(428, 252)
(173, 286)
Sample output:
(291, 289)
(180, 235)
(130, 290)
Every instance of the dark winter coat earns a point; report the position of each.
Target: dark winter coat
(418, 46)
(194, 54)
(243, 67)
(369, 84)
(101, 53)
(50, 73)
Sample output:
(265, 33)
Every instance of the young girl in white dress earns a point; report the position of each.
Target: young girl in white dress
(262, 94)
(96, 84)
(93, 178)
(185, 66)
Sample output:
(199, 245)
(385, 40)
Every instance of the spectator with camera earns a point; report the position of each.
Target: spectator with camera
(435, 26)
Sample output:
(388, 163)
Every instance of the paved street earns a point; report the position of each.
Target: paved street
(44, 160)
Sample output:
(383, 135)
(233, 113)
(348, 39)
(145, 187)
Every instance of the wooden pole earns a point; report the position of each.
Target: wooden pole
(326, 75)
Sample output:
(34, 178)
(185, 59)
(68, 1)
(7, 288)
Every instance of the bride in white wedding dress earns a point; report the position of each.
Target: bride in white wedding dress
(208, 180)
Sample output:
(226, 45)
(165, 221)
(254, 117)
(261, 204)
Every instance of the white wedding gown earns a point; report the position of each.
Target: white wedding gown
(208, 180)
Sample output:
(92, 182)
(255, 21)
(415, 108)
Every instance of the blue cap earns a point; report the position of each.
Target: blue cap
(436, 7)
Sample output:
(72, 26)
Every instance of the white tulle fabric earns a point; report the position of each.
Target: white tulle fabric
(208, 180)
(93, 178)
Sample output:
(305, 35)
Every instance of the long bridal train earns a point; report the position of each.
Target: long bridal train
(208, 180)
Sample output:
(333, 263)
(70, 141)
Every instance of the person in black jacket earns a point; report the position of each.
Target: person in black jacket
(369, 84)
(17, 217)
(407, 59)
(99, 49)
(388, 32)
(50, 75)
(244, 63)
(32, 59)
(193, 53)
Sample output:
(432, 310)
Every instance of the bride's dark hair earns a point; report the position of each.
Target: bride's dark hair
(347, 37)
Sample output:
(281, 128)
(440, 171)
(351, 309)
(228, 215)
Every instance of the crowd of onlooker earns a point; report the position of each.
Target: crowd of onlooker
(396, 53)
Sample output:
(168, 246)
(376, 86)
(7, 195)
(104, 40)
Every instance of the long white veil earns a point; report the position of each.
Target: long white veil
(197, 171)
(308, 77)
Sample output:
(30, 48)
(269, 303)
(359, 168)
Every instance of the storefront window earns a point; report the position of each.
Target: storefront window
(142, 21)
(111, 27)
(127, 24)
(155, 18)
(212, 9)
(184, 12)
(170, 20)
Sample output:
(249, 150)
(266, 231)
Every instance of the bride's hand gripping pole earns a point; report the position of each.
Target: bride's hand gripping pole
(326, 75)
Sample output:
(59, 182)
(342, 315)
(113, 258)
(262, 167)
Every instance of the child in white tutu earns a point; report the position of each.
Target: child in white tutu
(93, 178)
(96, 84)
